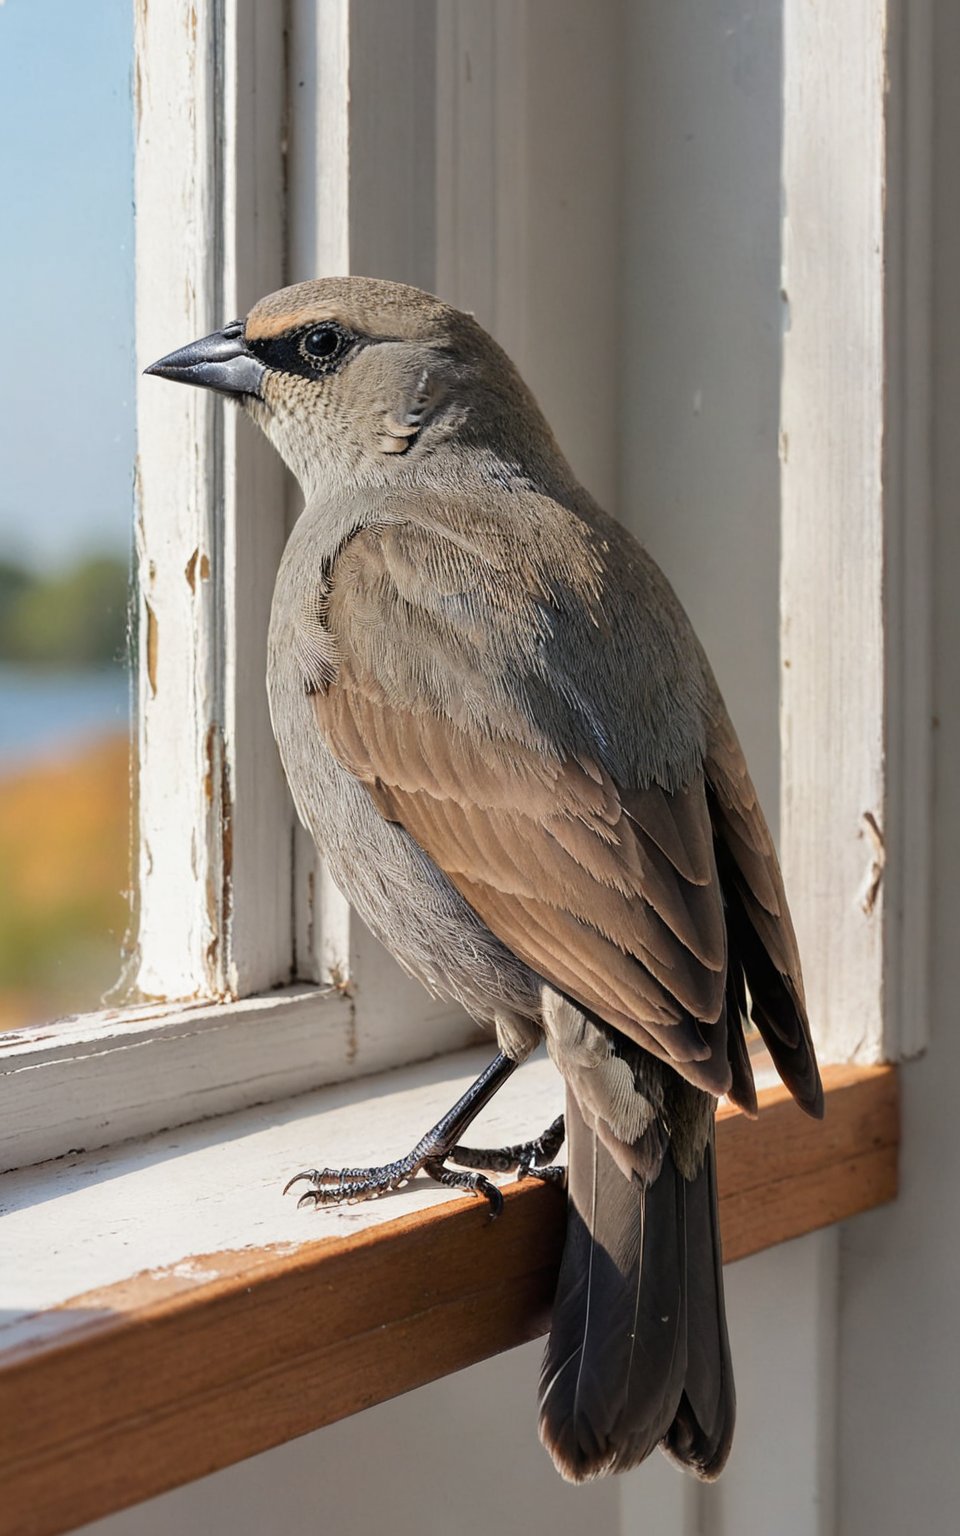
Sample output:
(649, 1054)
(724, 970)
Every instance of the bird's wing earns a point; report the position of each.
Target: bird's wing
(763, 945)
(439, 705)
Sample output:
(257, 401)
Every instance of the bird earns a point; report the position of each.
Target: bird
(498, 725)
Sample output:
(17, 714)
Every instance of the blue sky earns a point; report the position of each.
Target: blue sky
(66, 276)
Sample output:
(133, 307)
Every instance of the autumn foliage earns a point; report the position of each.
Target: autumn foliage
(65, 862)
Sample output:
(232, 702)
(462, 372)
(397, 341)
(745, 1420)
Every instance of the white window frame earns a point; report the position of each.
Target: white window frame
(257, 981)
(856, 692)
(410, 143)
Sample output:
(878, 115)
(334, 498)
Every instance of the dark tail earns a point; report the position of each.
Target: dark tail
(638, 1353)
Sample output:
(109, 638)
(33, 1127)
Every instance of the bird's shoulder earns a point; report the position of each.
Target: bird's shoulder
(572, 771)
(516, 551)
(528, 609)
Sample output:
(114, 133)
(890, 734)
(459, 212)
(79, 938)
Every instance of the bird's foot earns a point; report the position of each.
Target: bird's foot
(528, 1158)
(452, 1178)
(347, 1186)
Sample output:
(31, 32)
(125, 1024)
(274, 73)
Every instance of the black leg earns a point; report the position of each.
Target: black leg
(527, 1157)
(339, 1186)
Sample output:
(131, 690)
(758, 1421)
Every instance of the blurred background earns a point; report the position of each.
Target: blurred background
(66, 497)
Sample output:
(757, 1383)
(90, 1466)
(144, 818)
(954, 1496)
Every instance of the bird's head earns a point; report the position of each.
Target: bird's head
(358, 381)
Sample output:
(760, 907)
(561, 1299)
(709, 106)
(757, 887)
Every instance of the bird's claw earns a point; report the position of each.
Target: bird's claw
(348, 1186)
(332, 1186)
(309, 1175)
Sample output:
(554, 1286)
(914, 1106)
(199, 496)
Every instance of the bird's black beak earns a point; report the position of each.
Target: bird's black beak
(221, 361)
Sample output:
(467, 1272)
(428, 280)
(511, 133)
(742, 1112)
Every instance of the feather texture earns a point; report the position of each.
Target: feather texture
(648, 909)
(502, 733)
(638, 1353)
(607, 890)
(761, 938)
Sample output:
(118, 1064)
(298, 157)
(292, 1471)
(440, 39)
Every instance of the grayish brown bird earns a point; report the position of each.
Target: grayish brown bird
(499, 727)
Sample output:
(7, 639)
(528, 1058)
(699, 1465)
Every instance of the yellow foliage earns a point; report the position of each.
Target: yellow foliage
(65, 862)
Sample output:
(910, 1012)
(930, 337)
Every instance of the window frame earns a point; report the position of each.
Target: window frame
(258, 982)
(886, 620)
(146, 1382)
(856, 523)
(255, 979)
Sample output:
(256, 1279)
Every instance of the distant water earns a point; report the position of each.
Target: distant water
(43, 713)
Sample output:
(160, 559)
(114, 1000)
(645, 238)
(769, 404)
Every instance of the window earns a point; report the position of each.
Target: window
(250, 977)
(436, 142)
(430, 181)
(67, 406)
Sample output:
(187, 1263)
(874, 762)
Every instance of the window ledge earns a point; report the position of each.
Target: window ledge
(166, 1314)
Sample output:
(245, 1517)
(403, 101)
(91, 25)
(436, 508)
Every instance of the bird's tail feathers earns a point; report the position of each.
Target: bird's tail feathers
(638, 1353)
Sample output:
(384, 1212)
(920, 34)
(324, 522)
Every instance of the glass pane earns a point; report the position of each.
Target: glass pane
(67, 414)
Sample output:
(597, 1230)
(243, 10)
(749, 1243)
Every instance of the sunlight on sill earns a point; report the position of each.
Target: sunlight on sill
(166, 1313)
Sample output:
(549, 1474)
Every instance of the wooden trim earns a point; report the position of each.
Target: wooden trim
(257, 816)
(181, 771)
(833, 817)
(360, 132)
(161, 1380)
(109, 1077)
(856, 547)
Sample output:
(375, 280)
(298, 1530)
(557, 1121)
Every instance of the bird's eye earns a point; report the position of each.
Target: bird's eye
(324, 343)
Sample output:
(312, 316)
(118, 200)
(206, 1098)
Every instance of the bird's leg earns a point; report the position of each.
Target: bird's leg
(527, 1157)
(341, 1186)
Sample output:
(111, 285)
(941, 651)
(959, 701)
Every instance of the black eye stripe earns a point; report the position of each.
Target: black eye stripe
(312, 351)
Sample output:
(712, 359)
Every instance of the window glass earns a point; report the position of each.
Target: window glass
(66, 493)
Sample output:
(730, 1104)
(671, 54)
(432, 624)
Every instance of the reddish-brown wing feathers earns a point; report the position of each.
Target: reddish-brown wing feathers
(763, 944)
(611, 893)
(558, 866)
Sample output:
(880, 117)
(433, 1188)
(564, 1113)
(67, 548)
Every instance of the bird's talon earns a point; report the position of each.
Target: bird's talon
(485, 1190)
(491, 1193)
(309, 1174)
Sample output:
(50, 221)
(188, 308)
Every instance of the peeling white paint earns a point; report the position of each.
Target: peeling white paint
(178, 213)
(169, 1204)
(869, 892)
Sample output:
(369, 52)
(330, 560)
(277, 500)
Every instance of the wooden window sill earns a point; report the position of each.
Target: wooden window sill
(166, 1314)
